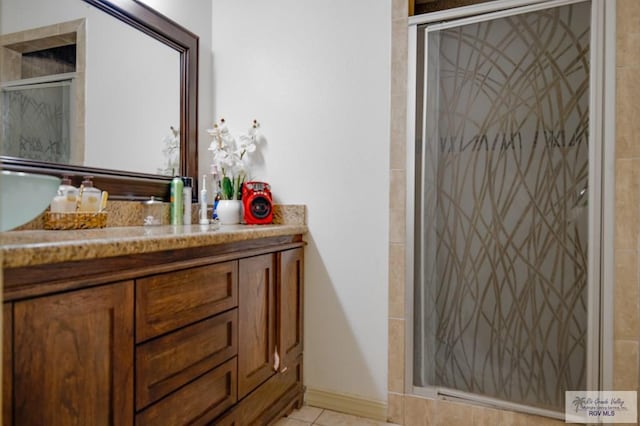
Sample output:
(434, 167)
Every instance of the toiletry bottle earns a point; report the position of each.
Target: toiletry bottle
(66, 199)
(176, 200)
(90, 196)
(187, 183)
(204, 220)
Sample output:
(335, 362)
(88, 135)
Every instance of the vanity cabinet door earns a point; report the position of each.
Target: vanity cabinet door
(7, 363)
(290, 297)
(73, 358)
(256, 322)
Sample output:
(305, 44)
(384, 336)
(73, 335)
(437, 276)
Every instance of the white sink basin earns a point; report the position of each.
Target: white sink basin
(23, 196)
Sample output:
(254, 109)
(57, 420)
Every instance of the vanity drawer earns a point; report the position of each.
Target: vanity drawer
(168, 362)
(165, 302)
(198, 403)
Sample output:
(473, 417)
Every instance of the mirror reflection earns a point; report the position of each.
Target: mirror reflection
(80, 87)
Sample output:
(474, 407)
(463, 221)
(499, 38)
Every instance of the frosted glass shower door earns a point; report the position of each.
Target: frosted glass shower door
(500, 301)
(36, 121)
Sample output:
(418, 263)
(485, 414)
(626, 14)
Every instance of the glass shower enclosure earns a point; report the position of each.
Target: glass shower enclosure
(503, 190)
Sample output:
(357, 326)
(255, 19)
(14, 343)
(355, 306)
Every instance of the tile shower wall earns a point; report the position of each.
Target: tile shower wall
(396, 356)
(411, 410)
(626, 294)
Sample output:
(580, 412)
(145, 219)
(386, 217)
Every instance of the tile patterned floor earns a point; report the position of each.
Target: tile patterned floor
(307, 416)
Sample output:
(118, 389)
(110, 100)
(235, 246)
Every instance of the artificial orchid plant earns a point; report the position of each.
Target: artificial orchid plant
(229, 166)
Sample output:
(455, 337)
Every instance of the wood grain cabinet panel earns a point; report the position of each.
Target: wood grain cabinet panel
(7, 364)
(290, 304)
(272, 398)
(73, 358)
(256, 322)
(171, 300)
(197, 403)
(168, 362)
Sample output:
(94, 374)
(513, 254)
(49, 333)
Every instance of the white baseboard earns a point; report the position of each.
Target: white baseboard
(348, 404)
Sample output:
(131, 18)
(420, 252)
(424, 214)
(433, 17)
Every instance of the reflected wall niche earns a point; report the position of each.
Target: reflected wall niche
(42, 80)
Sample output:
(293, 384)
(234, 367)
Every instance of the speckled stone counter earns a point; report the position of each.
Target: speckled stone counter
(38, 247)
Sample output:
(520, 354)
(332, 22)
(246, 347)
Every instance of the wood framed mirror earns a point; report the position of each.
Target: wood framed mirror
(127, 185)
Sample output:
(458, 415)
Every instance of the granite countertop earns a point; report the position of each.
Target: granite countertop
(37, 247)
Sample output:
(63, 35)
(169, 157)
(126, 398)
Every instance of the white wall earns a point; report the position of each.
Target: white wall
(316, 75)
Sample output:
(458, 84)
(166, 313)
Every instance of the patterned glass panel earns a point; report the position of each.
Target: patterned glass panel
(502, 307)
(36, 122)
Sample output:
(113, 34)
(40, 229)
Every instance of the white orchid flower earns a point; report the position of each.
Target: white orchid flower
(229, 162)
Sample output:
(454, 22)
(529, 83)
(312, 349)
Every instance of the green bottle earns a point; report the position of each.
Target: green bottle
(176, 200)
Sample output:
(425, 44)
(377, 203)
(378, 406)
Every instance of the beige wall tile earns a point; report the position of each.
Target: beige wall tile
(396, 356)
(628, 50)
(626, 324)
(628, 33)
(627, 112)
(399, 37)
(71, 26)
(625, 368)
(508, 418)
(399, 52)
(398, 95)
(397, 188)
(395, 408)
(543, 421)
(10, 64)
(398, 126)
(419, 411)
(12, 38)
(453, 414)
(627, 203)
(396, 280)
(400, 9)
(399, 78)
(628, 16)
(397, 225)
(483, 416)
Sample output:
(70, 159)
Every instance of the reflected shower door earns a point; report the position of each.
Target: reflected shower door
(35, 121)
(501, 300)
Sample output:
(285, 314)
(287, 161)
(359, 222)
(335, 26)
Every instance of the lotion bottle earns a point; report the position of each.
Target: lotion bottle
(66, 199)
(90, 197)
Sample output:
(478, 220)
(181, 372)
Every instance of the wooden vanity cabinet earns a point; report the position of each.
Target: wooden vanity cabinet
(209, 335)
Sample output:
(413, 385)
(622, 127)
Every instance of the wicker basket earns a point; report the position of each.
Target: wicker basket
(76, 220)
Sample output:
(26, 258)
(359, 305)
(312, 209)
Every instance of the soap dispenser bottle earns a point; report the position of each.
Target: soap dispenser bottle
(89, 196)
(66, 199)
